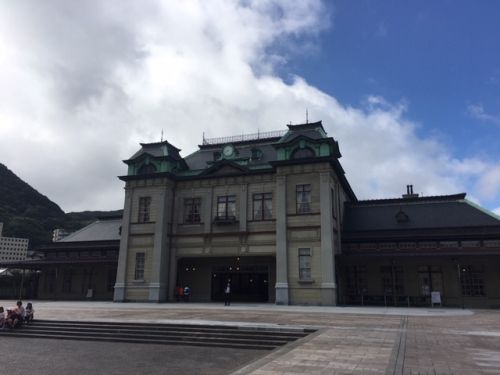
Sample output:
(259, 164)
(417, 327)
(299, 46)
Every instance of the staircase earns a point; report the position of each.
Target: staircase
(164, 334)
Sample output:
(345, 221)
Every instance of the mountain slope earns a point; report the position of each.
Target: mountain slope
(28, 214)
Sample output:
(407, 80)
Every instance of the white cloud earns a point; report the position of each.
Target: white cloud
(477, 111)
(81, 84)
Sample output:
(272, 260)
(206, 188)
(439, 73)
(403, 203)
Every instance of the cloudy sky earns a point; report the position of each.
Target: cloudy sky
(411, 90)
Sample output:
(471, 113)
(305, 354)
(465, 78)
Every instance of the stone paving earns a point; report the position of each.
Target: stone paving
(348, 341)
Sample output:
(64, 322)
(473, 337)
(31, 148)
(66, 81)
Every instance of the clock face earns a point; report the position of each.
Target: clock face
(228, 150)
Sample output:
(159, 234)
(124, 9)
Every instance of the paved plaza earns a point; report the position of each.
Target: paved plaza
(347, 341)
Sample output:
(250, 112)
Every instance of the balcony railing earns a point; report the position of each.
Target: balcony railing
(225, 219)
(244, 137)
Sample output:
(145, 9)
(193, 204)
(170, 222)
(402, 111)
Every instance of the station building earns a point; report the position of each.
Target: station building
(274, 214)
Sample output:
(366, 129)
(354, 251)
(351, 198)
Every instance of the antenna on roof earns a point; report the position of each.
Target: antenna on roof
(161, 135)
(307, 117)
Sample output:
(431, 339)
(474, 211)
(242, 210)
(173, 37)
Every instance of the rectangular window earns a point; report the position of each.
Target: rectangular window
(139, 266)
(392, 280)
(192, 208)
(144, 209)
(430, 279)
(304, 264)
(226, 207)
(356, 280)
(67, 281)
(263, 206)
(303, 198)
(472, 280)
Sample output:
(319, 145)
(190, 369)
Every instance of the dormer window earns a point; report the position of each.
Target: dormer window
(147, 169)
(256, 154)
(302, 153)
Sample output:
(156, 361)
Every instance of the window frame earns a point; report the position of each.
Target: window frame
(265, 213)
(305, 264)
(226, 201)
(472, 281)
(192, 211)
(303, 206)
(140, 262)
(144, 210)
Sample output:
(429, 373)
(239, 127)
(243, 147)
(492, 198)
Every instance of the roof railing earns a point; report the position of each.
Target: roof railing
(243, 137)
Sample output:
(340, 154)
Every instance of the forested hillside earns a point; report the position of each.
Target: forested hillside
(28, 214)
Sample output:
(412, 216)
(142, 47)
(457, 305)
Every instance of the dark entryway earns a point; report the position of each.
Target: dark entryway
(252, 278)
(245, 286)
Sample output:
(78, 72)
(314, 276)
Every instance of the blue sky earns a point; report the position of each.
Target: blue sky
(441, 57)
(409, 89)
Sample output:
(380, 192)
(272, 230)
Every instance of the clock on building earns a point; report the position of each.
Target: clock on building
(228, 150)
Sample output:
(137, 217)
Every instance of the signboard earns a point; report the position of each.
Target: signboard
(436, 297)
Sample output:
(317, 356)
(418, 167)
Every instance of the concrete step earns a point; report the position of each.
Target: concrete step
(166, 334)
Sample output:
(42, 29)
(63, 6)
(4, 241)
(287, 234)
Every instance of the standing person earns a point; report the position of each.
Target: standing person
(2, 317)
(187, 293)
(227, 294)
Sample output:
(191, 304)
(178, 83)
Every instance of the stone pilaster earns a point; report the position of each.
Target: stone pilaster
(121, 272)
(243, 208)
(158, 286)
(281, 243)
(328, 287)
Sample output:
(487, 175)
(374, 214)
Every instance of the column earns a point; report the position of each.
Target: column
(121, 271)
(281, 243)
(328, 287)
(159, 269)
(243, 208)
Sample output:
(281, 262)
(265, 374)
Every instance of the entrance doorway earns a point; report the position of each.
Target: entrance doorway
(245, 286)
(252, 278)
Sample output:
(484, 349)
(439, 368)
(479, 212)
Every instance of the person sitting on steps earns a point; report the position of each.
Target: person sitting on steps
(30, 313)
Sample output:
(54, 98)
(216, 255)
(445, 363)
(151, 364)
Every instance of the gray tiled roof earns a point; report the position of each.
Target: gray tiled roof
(421, 213)
(100, 230)
(201, 159)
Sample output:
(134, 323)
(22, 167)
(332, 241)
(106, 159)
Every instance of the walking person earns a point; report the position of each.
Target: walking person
(227, 294)
(187, 293)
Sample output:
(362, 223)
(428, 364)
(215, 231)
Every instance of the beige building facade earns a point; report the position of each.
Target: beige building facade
(262, 213)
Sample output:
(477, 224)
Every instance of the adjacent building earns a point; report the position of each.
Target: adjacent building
(80, 266)
(11, 248)
(274, 214)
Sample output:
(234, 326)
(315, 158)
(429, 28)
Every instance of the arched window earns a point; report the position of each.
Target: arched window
(302, 153)
(147, 169)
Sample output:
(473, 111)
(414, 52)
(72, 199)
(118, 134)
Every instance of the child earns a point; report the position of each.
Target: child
(2, 318)
(29, 313)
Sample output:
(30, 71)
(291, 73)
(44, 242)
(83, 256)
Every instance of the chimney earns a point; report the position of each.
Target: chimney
(409, 192)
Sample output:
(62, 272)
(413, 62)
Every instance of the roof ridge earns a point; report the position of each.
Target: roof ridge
(482, 209)
(73, 234)
(422, 199)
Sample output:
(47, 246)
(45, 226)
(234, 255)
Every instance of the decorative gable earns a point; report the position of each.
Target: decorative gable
(224, 167)
(306, 141)
(155, 158)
